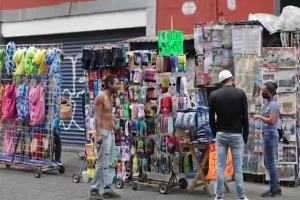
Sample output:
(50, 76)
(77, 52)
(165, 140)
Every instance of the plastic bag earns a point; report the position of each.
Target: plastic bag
(289, 20)
(267, 20)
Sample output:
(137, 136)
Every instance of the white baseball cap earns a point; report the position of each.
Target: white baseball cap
(224, 74)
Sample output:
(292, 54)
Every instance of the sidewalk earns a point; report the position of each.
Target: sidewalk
(253, 190)
(21, 184)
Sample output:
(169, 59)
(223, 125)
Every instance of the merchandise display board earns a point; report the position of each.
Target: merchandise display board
(96, 70)
(216, 46)
(156, 102)
(238, 47)
(281, 68)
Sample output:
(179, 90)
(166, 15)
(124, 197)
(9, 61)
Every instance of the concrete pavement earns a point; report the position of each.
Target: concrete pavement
(21, 184)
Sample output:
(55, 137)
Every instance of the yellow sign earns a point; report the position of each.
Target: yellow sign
(212, 170)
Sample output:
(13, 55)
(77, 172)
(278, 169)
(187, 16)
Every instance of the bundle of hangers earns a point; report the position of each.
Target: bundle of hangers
(172, 63)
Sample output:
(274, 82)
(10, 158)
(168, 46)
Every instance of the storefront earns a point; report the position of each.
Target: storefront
(110, 22)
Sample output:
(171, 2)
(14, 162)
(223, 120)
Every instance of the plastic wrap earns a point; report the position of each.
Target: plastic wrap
(267, 20)
(289, 20)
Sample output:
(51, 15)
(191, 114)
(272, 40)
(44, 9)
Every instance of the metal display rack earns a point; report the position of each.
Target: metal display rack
(25, 145)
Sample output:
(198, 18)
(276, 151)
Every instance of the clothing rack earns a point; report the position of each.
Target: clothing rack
(31, 143)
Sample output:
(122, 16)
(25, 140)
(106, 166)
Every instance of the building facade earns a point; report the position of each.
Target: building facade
(90, 22)
(183, 14)
(74, 25)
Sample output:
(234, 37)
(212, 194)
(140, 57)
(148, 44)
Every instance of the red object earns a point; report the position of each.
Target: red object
(166, 105)
(38, 151)
(171, 141)
(122, 71)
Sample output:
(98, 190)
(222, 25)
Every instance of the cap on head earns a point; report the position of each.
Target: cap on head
(224, 74)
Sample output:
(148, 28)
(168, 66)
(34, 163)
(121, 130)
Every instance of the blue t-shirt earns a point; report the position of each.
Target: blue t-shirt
(268, 108)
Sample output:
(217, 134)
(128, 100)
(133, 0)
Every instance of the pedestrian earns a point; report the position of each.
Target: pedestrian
(269, 117)
(105, 139)
(230, 106)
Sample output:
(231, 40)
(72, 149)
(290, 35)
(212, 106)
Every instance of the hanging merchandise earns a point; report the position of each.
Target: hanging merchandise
(22, 102)
(198, 38)
(237, 40)
(30, 108)
(39, 62)
(277, 64)
(2, 60)
(29, 67)
(9, 102)
(18, 59)
(66, 109)
(9, 61)
(99, 62)
(218, 44)
(36, 103)
(245, 72)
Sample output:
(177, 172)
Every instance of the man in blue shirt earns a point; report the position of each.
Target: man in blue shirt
(269, 117)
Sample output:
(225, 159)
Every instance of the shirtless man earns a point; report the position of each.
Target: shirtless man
(105, 138)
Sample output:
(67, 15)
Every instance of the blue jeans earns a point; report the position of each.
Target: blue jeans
(105, 169)
(270, 139)
(235, 142)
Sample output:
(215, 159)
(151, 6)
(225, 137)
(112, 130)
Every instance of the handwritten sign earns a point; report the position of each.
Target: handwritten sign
(212, 170)
(170, 42)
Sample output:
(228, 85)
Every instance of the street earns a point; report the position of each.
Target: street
(21, 184)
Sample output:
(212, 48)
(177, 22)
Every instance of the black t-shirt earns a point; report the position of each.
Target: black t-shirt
(231, 107)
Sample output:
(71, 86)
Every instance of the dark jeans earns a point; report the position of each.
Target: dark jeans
(270, 139)
(57, 148)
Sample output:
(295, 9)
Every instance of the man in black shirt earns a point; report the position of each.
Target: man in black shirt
(228, 118)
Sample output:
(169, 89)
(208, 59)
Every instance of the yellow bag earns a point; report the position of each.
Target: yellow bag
(66, 111)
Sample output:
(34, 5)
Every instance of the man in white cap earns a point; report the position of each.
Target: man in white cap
(231, 128)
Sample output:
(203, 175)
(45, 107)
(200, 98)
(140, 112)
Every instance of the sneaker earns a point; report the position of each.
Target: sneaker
(279, 191)
(218, 198)
(270, 193)
(245, 198)
(95, 195)
(111, 194)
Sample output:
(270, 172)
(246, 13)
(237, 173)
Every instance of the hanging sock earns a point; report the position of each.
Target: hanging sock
(182, 63)
(174, 63)
(166, 64)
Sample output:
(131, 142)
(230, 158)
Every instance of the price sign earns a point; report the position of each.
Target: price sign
(212, 170)
(170, 42)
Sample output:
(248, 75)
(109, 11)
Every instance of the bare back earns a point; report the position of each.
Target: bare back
(103, 111)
